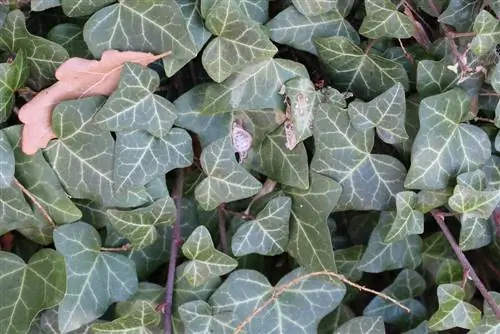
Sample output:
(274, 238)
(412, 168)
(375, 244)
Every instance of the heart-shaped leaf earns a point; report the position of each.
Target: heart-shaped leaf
(362, 325)
(206, 261)
(268, 233)
(434, 77)
(12, 77)
(487, 29)
(95, 279)
(226, 180)
(199, 318)
(408, 219)
(314, 7)
(7, 162)
(384, 20)
(476, 232)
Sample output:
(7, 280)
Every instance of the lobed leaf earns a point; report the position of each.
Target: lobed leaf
(384, 20)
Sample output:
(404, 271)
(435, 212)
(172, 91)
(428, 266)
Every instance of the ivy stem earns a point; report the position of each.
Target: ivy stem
(36, 202)
(222, 228)
(174, 248)
(454, 34)
(439, 217)
(122, 248)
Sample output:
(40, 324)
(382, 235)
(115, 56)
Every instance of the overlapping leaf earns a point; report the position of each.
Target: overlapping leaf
(199, 318)
(369, 181)
(439, 261)
(381, 256)
(7, 163)
(408, 219)
(226, 180)
(139, 225)
(489, 323)
(460, 14)
(240, 41)
(70, 36)
(268, 233)
(43, 56)
(95, 279)
(292, 28)
(134, 106)
(335, 319)
(431, 199)
(347, 261)
(362, 325)
(206, 261)
(22, 284)
(444, 147)
(384, 20)
(315, 7)
(487, 29)
(365, 75)
(434, 77)
(386, 113)
(12, 77)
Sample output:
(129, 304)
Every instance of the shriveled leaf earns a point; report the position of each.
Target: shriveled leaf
(7, 162)
(444, 147)
(381, 256)
(408, 219)
(365, 75)
(362, 325)
(206, 261)
(268, 233)
(434, 77)
(314, 7)
(22, 284)
(439, 261)
(70, 36)
(384, 20)
(12, 77)
(487, 29)
(95, 279)
(292, 28)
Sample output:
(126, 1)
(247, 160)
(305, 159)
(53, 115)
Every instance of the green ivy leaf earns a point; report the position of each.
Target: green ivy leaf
(314, 7)
(70, 36)
(384, 20)
(226, 180)
(347, 261)
(453, 310)
(268, 233)
(199, 318)
(292, 28)
(135, 106)
(444, 147)
(492, 170)
(239, 41)
(83, 8)
(141, 26)
(206, 261)
(423, 328)
(408, 219)
(460, 14)
(335, 319)
(489, 323)
(350, 66)
(476, 232)
(487, 29)
(433, 9)
(48, 324)
(276, 161)
(41, 5)
(386, 113)
(439, 261)
(22, 284)
(369, 181)
(139, 225)
(199, 34)
(7, 162)
(95, 279)
(362, 325)
(12, 77)
(310, 299)
(43, 56)
(431, 199)
(255, 87)
(141, 157)
(16, 213)
(257, 10)
(381, 256)
(407, 285)
(434, 77)
(310, 243)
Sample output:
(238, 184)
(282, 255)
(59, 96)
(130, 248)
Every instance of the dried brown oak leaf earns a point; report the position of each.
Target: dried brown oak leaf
(77, 78)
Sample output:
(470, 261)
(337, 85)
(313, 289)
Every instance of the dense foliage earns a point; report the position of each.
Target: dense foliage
(280, 159)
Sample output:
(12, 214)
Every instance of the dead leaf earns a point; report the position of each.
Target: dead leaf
(77, 78)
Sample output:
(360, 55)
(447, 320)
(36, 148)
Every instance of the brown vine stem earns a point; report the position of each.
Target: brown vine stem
(439, 217)
(222, 228)
(279, 290)
(122, 248)
(174, 248)
(36, 202)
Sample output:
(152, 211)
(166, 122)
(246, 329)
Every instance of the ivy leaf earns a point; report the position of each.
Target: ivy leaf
(36, 175)
(314, 7)
(489, 323)
(444, 147)
(384, 20)
(70, 36)
(453, 310)
(240, 41)
(431, 199)
(492, 171)
(226, 180)
(407, 285)
(41, 5)
(139, 225)
(423, 328)
(276, 161)
(134, 106)
(20, 284)
(141, 26)
(310, 243)
(434, 77)
(362, 325)
(350, 66)
(476, 232)
(206, 261)
(43, 56)
(268, 233)
(381, 256)
(255, 87)
(487, 29)
(15, 212)
(369, 181)
(433, 9)
(83, 8)
(386, 113)
(196, 29)
(140, 157)
(460, 14)
(95, 279)
(292, 28)
(7, 162)
(12, 77)
(335, 319)
(297, 309)
(198, 317)
(408, 219)
(347, 261)
(438, 260)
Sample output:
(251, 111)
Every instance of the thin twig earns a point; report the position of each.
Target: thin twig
(122, 248)
(439, 218)
(222, 228)
(279, 290)
(36, 202)
(174, 248)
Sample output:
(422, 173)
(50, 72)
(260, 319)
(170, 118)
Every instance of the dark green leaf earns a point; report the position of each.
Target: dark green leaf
(487, 29)
(408, 219)
(384, 20)
(434, 77)
(362, 325)
(489, 323)
(70, 36)
(438, 260)
(460, 13)
(12, 77)
(7, 163)
(314, 7)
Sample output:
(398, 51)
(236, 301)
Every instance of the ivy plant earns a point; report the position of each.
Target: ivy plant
(249, 166)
